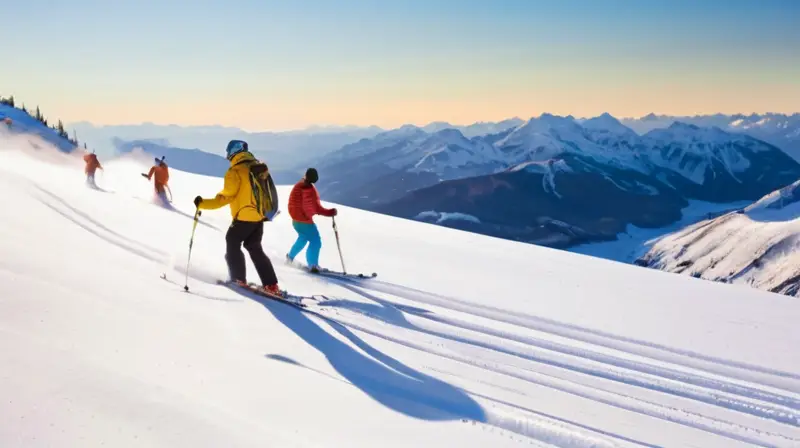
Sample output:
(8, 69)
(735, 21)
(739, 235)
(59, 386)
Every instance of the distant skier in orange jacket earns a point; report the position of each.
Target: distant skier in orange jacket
(92, 164)
(160, 175)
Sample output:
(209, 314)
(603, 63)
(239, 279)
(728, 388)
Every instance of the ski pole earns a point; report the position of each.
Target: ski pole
(336, 232)
(191, 243)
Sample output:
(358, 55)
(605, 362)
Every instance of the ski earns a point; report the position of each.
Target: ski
(330, 272)
(287, 298)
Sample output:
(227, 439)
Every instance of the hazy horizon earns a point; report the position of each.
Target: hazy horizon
(271, 66)
(420, 125)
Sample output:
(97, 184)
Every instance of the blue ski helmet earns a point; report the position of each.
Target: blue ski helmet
(235, 147)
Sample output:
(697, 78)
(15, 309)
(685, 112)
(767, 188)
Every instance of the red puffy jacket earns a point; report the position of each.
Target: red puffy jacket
(304, 203)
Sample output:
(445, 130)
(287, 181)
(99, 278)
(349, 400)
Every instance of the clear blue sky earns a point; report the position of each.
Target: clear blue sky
(263, 64)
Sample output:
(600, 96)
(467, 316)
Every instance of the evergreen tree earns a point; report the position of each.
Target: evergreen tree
(38, 115)
(11, 101)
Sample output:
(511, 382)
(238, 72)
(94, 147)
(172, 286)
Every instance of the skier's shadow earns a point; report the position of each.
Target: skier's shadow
(96, 188)
(385, 379)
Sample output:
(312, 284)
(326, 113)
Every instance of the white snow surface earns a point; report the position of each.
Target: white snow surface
(777, 199)
(462, 340)
(441, 217)
(757, 247)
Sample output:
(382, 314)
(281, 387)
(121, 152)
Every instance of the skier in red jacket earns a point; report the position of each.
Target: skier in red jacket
(304, 203)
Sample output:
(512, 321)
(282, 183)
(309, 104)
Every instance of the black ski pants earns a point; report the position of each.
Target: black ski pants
(248, 234)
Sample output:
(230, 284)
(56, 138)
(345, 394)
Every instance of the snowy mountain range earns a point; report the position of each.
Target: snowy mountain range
(756, 245)
(781, 130)
(553, 180)
(557, 181)
(286, 149)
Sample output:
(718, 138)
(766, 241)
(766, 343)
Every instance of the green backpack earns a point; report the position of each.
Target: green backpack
(264, 191)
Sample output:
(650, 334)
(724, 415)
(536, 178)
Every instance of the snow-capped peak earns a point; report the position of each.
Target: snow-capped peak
(547, 123)
(406, 129)
(680, 132)
(451, 135)
(607, 122)
(778, 199)
(437, 126)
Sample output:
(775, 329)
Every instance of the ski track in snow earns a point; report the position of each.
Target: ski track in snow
(505, 361)
(760, 401)
(723, 383)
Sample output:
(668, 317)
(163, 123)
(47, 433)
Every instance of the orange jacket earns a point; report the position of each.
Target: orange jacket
(161, 173)
(304, 203)
(92, 164)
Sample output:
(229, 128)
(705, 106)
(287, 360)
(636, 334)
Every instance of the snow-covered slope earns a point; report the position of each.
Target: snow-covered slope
(26, 127)
(463, 340)
(756, 245)
(635, 241)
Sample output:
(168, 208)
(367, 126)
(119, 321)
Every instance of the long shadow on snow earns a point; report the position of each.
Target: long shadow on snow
(385, 379)
(95, 187)
(392, 314)
(584, 334)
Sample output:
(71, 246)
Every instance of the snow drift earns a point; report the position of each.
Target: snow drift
(463, 340)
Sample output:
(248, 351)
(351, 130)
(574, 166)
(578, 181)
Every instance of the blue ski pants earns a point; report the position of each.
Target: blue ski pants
(306, 234)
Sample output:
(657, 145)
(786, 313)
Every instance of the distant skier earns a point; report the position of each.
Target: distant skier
(92, 164)
(304, 203)
(160, 175)
(251, 204)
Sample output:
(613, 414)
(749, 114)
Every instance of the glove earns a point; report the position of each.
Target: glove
(334, 212)
(197, 201)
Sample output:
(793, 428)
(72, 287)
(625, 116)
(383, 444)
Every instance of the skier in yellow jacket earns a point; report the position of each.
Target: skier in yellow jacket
(248, 212)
